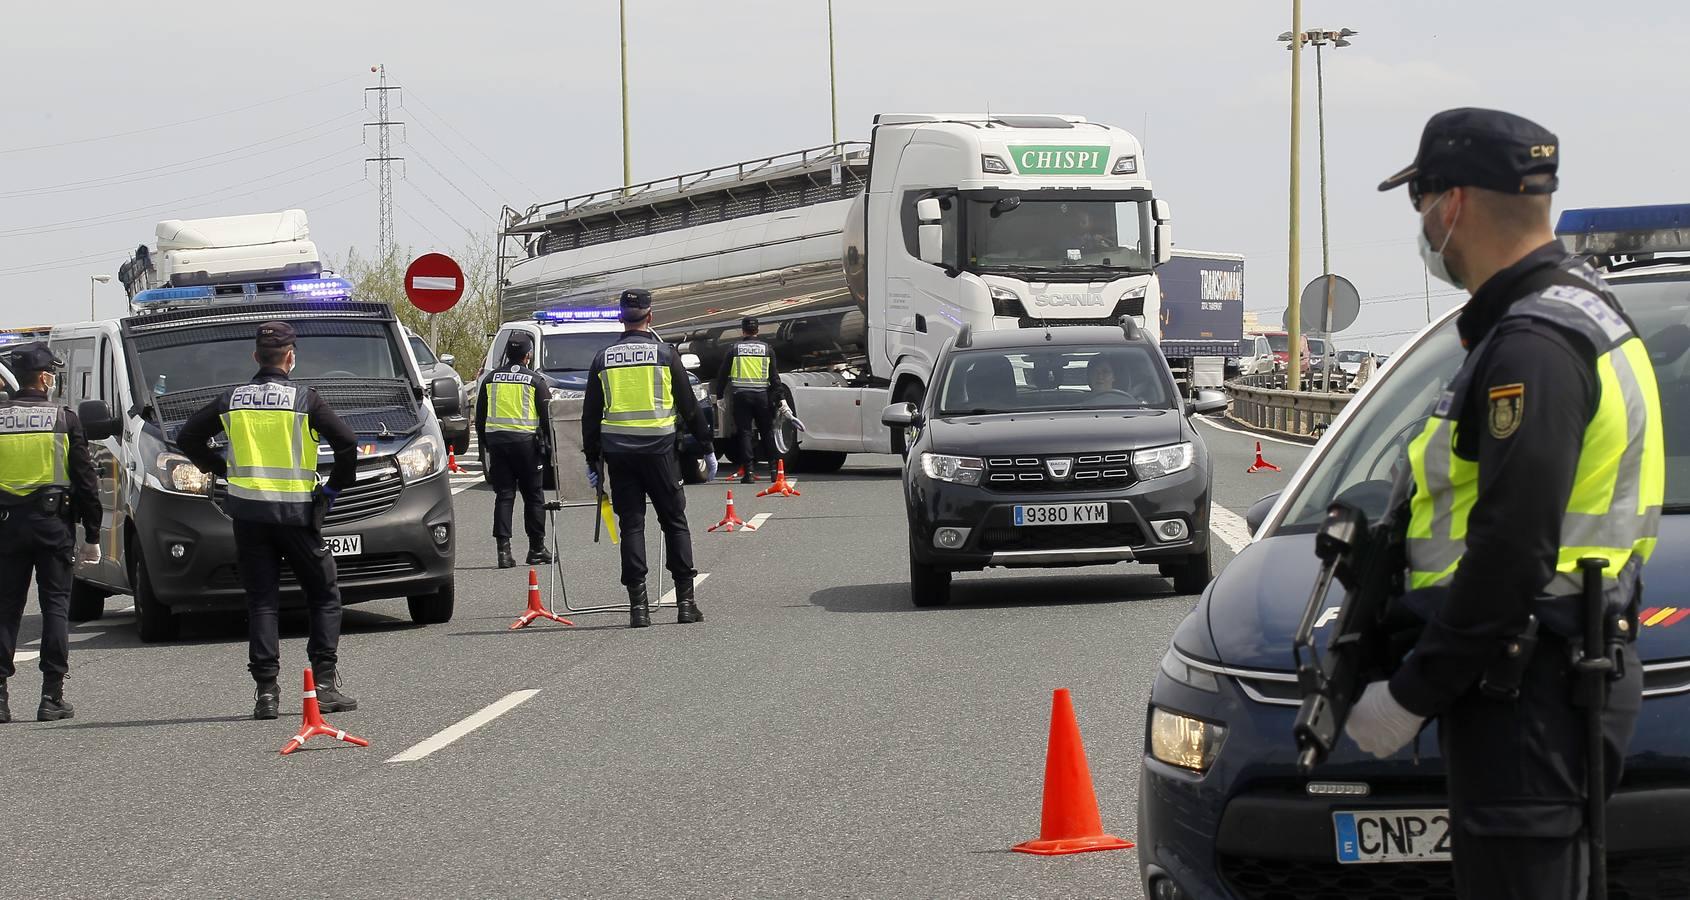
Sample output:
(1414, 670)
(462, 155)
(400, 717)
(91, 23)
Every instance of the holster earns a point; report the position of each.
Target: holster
(1501, 679)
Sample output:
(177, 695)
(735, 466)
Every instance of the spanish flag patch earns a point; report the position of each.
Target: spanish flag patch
(1507, 407)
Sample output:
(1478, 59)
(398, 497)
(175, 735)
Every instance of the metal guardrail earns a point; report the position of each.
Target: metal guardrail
(1262, 402)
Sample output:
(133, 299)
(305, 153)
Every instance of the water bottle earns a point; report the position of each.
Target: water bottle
(158, 387)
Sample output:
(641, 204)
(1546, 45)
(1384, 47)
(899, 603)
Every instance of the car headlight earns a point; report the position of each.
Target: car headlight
(420, 459)
(1006, 303)
(1158, 461)
(177, 474)
(1190, 676)
(1183, 741)
(956, 469)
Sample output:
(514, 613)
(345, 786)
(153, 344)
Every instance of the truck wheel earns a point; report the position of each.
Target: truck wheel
(820, 462)
(87, 602)
(693, 470)
(460, 445)
(903, 438)
(435, 608)
(154, 620)
(929, 586)
(1192, 576)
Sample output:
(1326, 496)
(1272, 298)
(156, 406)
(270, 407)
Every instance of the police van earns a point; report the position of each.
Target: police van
(165, 538)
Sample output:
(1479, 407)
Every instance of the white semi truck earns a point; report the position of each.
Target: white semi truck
(861, 260)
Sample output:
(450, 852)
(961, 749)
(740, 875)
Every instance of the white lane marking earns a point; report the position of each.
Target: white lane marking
(1229, 527)
(451, 734)
(465, 486)
(74, 637)
(1251, 434)
(23, 656)
(757, 521)
(668, 599)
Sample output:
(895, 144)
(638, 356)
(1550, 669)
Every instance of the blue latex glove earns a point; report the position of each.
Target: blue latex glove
(593, 476)
(710, 465)
(331, 495)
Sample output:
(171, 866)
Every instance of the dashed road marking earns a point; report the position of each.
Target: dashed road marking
(757, 521)
(1230, 527)
(459, 486)
(75, 637)
(668, 599)
(451, 734)
(23, 656)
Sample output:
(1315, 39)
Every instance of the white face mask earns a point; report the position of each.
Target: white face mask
(1434, 259)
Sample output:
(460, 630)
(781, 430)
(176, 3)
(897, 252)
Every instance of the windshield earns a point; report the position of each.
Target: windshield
(425, 356)
(186, 359)
(574, 352)
(1279, 342)
(1317, 346)
(1059, 234)
(982, 382)
(1357, 466)
(1351, 355)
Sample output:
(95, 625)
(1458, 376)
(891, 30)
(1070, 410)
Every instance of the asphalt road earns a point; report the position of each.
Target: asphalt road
(817, 736)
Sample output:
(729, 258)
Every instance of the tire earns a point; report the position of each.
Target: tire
(154, 620)
(87, 602)
(929, 586)
(819, 462)
(460, 444)
(693, 470)
(435, 608)
(912, 393)
(1192, 576)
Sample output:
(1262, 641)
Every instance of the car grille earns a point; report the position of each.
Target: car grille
(347, 569)
(376, 492)
(1089, 472)
(1657, 876)
(1061, 537)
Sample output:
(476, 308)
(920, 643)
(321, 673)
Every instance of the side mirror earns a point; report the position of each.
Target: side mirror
(900, 415)
(447, 359)
(1164, 231)
(929, 234)
(445, 397)
(690, 361)
(1207, 400)
(1258, 512)
(97, 421)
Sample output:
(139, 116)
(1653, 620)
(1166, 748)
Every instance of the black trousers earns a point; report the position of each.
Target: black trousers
(633, 478)
(260, 550)
(518, 466)
(35, 543)
(753, 408)
(1516, 779)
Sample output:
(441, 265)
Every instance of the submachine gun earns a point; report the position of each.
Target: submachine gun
(1369, 560)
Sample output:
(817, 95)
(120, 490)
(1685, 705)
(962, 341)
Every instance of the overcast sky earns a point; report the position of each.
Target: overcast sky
(517, 103)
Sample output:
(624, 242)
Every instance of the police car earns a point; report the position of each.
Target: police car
(565, 342)
(1223, 810)
(165, 538)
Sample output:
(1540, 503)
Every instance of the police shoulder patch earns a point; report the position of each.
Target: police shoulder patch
(1507, 407)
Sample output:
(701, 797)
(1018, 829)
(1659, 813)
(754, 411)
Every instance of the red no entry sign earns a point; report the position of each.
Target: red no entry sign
(434, 282)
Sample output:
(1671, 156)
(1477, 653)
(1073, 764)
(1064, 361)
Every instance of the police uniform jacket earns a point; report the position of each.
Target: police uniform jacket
(84, 505)
(753, 348)
(639, 344)
(514, 373)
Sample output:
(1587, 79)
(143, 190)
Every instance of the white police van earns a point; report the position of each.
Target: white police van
(165, 539)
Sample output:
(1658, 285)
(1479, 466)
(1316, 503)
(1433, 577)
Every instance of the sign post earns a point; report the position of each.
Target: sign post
(434, 283)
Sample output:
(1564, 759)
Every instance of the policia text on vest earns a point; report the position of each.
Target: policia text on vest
(47, 487)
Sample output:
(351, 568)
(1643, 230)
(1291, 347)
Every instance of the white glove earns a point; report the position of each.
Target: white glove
(88, 554)
(1379, 724)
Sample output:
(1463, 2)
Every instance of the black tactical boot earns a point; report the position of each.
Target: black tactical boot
(506, 560)
(267, 700)
(639, 608)
(53, 705)
(537, 555)
(748, 478)
(5, 704)
(329, 697)
(686, 611)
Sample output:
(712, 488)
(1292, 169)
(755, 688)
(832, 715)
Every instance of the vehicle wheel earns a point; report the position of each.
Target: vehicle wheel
(1192, 576)
(155, 621)
(460, 445)
(87, 602)
(820, 462)
(929, 586)
(902, 439)
(693, 470)
(435, 608)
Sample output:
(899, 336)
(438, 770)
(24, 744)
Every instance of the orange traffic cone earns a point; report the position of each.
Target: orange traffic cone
(1069, 822)
(780, 487)
(1260, 465)
(730, 520)
(314, 724)
(536, 609)
(452, 462)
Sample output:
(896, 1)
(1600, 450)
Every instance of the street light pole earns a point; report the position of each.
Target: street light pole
(93, 280)
(1293, 274)
(832, 84)
(627, 163)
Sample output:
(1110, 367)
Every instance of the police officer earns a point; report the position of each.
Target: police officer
(513, 426)
(273, 429)
(1545, 449)
(47, 486)
(749, 371)
(636, 390)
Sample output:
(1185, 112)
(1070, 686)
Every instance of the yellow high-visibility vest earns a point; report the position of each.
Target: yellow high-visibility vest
(510, 398)
(34, 449)
(638, 396)
(272, 447)
(750, 370)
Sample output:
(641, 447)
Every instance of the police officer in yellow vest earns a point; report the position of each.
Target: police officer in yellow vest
(1544, 449)
(636, 392)
(47, 488)
(273, 428)
(749, 372)
(514, 428)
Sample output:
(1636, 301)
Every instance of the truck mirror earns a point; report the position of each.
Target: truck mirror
(927, 211)
(690, 361)
(1161, 212)
(445, 397)
(1164, 242)
(97, 421)
(931, 242)
(900, 415)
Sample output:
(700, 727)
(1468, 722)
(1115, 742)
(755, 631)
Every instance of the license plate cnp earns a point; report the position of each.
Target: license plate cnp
(1392, 835)
(344, 544)
(1062, 514)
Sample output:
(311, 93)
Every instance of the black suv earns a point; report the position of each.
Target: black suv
(1054, 447)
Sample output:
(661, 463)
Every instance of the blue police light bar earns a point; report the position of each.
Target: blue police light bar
(320, 288)
(578, 315)
(1626, 230)
(173, 295)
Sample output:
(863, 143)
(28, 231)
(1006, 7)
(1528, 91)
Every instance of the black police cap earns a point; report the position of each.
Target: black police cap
(636, 304)
(276, 334)
(518, 346)
(749, 323)
(33, 357)
(1482, 148)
